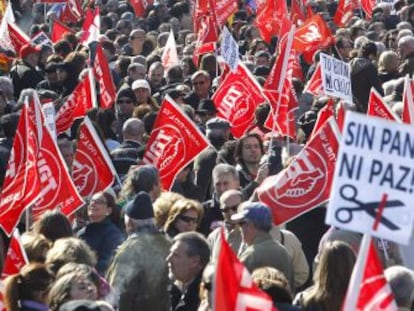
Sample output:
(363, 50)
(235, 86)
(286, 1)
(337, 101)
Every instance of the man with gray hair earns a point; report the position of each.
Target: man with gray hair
(406, 53)
(260, 249)
(401, 280)
(139, 271)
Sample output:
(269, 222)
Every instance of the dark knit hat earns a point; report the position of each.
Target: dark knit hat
(140, 207)
(126, 92)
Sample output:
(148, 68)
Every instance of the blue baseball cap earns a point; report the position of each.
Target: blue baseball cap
(255, 212)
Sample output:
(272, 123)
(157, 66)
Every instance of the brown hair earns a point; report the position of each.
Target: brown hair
(32, 283)
(177, 209)
(53, 225)
(162, 206)
(36, 246)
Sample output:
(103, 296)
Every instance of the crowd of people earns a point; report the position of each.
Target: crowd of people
(137, 246)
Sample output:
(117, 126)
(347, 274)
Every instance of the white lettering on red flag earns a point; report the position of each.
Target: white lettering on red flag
(92, 168)
(107, 90)
(306, 183)
(236, 99)
(175, 141)
(378, 108)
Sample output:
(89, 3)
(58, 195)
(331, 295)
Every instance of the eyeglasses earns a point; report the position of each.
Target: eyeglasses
(227, 209)
(199, 82)
(124, 101)
(188, 219)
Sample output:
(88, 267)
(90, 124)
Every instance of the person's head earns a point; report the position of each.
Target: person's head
(405, 46)
(162, 207)
(206, 110)
(98, 208)
(187, 65)
(274, 283)
(262, 58)
(174, 74)
(249, 149)
(142, 90)
(133, 129)
(253, 219)
(217, 131)
(31, 283)
(184, 216)
(344, 46)
(68, 250)
(72, 286)
(125, 101)
(156, 74)
(144, 178)
(206, 285)
(137, 38)
(225, 177)
(201, 83)
(67, 149)
(36, 246)
(136, 71)
(53, 225)
(229, 202)
(401, 280)
(388, 62)
(8, 124)
(188, 256)
(125, 27)
(139, 212)
(30, 54)
(368, 50)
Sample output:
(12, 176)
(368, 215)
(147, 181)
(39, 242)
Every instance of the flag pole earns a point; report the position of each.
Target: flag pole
(93, 88)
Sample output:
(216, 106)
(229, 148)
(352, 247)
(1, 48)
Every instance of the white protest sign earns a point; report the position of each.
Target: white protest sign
(41, 38)
(229, 49)
(336, 77)
(49, 111)
(375, 162)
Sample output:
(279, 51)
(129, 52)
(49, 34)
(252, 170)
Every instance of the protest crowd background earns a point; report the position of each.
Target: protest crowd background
(147, 150)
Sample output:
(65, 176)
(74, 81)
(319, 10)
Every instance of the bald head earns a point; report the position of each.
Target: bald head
(133, 129)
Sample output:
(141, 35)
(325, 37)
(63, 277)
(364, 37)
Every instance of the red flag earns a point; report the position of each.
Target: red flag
(408, 111)
(58, 30)
(378, 108)
(16, 257)
(57, 188)
(269, 17)
(207, 36)
(107, 90)
(21, 186)
(306, 183)
(17, 37)
(224, 9)
(70, 13)
(312, 35)
(91, 27)
(76, 106)
(345, 12)
(371, 292)
(233, 285)
(315, 85)
(340, 117)
(92, 168)
(201, 9)
(297, 12)
(324, 115)
(236, 99)
(175, 141)
(367, 6)
(140, 6)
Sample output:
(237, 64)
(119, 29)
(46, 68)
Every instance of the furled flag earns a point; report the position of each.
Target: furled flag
(314, 34)
(315, 85)
(306, 183)
(229, 49)
(408, 102)
(102, 73)
(21, 186)
(373, 293)
(76, 106)
(223, 9)
(324, 115)
(200, 11)
(269, 17)
(57, 188)
(236, 99)
(169, 56)
(72, 12)
(297, 11)
(58, 30)
(340, 117)
(279, 90)
(16, 256)
(17, 37)
(175, 141)
(92, 168)
(367, 6)
(140, 6)
(91, 27)
(345, 12)
(378, 108)
(8, 18)
(233, 286)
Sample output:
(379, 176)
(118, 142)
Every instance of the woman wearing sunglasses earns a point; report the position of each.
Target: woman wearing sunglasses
(184, 216)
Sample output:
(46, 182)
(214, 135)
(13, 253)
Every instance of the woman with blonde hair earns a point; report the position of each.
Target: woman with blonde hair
(185, 215)
(388, 66)
(28, 290)
(331, 279)
(162, 207)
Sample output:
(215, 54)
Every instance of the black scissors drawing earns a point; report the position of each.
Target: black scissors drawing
(350, 193)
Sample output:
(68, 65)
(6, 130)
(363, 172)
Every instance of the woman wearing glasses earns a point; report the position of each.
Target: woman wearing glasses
(184, 216)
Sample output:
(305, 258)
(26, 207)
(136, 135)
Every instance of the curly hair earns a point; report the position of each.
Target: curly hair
(178, 208)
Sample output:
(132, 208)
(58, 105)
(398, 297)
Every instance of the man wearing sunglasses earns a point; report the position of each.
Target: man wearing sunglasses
(201, 88)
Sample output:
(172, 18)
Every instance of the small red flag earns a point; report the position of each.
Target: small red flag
(269, 17)
(367, 6)
(324, 115)
(233, 285)
(140, 6)
(16, 256)
(315, 85)
(340, 117)
(91, 27)
(17, 37)
(378, 108)
(306, 183)
(76, 106)
(224, 9)
(207, 36)
(175, 141)
(92, 169)
(236, 99)
(345, 12)
(297, 12)
(107, 90)
(408, 102)
(58, 30)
